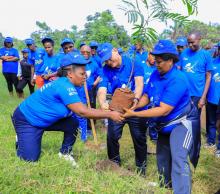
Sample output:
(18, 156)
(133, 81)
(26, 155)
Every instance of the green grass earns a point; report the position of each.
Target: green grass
(53, 175)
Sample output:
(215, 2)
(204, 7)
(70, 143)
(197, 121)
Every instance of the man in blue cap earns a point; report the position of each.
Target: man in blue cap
(35, 57)
(24, 74)
(116, 73)
(93, 72)
(10, 58)
(181, 44)
(68, 45)
(175, 118)
(94, 46)
(50, 109)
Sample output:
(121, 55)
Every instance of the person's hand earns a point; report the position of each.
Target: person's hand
(46, 77)
(135, 103)
(202, 102)
(116, 116)
(19, 78)
(32, 82)
(128, 113)
(105, 106)
(5, 58)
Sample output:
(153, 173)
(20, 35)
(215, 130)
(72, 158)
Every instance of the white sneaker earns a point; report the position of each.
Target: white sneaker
(68, 157)
(209, 146)
(217, 153)
(152, 184)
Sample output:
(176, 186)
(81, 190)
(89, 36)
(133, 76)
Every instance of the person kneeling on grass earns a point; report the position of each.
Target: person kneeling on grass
(50, 109)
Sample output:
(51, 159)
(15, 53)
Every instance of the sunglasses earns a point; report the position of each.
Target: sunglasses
(93, 47)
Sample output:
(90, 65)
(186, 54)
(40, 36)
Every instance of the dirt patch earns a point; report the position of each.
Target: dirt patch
(92, 146)
(107, 165)
(151, 150)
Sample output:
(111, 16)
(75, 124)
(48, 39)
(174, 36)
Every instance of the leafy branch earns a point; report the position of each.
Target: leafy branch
(142, 12)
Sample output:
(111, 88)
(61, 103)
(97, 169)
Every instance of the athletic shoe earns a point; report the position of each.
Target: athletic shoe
(217, 153)
(209, 146)
(68, 157)
(16, 142)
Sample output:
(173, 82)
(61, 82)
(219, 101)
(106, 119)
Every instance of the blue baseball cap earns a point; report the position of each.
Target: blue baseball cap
(74, 58)
(181, 41)
(65, 41)
(8, 39)
(105, 51)
(120, 50)
(82, 44)
(25, 50)
(47, 39)
(93, 44)
(164, 46)
(29, 41)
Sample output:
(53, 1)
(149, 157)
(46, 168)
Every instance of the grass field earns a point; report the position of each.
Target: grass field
(53, 175)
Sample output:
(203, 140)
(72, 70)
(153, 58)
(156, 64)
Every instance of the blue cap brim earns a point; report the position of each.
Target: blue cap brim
(106, 57)
(160, 53)
(180, 44)
(8, 41)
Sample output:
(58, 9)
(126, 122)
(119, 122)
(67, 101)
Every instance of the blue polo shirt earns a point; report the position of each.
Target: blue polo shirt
(97, 59)
(50, 64)
(213, 95)
(195, 65)
(31, 57)
(142, 56)
(93, 71)
(170, 88)
(9, 66)
(117, 77)
(148, 70)
(49, 104)
(38, 61)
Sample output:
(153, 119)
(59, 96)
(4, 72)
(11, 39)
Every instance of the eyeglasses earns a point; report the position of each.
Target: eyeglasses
(93, 47)
(85, 52)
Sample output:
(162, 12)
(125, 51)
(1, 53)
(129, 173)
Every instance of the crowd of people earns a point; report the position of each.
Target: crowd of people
(171, 84)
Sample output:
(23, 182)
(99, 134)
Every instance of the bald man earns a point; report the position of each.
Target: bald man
(93, 72)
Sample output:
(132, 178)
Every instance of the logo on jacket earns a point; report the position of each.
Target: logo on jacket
(71, 91)
(88, 73)
(189, 68)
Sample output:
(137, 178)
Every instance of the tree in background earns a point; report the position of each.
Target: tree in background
(57, 35)
(141, 13)
(210, 32)
(102, 27)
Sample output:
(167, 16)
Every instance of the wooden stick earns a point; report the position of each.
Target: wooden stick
(91, 120)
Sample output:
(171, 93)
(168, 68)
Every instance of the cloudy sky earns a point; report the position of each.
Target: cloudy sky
(18, 17)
